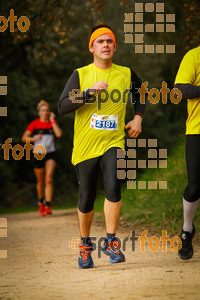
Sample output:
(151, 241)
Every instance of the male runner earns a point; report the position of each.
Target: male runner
(188, 81)
(98, 133)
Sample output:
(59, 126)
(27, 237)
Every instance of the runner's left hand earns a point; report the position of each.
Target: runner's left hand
(52, 116)
(134, 127)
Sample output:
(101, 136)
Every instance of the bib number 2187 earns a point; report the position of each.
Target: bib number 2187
(102, 122)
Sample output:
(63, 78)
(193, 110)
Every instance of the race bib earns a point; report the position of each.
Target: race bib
(102, 122)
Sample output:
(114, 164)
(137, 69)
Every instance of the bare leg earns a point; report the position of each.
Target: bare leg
(50, 166)
(112, 213)
(39, 173)
(85, 221)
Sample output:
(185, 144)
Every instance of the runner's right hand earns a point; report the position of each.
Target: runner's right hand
(38, 137)
(98, 86)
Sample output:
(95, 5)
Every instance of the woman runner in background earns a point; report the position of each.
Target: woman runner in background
(42, 131)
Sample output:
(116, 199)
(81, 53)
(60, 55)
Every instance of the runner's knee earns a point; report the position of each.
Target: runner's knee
(192, 192)
(85, 206)
(87, 196)
(40, 183)
(113, 193)
(49, 180)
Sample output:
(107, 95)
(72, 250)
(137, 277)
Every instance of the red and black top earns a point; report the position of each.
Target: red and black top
(46, 129)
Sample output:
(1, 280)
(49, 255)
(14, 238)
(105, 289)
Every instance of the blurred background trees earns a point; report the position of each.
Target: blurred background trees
(39, 62)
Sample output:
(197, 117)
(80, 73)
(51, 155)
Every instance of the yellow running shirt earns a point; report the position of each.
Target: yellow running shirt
(97, 130)
(189, 72)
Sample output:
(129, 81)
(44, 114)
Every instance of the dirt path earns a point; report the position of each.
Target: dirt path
(41, 265)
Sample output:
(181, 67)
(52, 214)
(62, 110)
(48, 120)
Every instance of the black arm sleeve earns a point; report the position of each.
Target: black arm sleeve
(188, 91)
(65, 105)
(136, 83)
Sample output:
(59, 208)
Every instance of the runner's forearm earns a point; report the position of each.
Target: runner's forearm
(56, 129)
(139, 108)
(188, 91)
(65, 105)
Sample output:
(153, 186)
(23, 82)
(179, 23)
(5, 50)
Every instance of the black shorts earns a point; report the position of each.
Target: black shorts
(37, 164)
(192, 153)
(87, 174)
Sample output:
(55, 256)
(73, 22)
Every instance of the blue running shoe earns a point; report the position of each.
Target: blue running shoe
(85, 260)
(106, 247)
(111, 247)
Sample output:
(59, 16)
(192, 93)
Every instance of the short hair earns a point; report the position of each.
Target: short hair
(41, 103)
(97, 27)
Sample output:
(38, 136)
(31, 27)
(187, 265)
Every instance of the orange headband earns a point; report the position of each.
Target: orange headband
(100, 31)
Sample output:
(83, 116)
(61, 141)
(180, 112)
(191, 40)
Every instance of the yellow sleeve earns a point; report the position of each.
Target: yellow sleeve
(187, 69)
